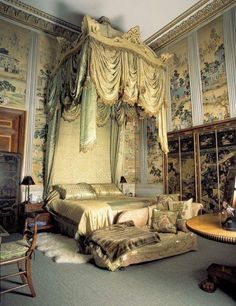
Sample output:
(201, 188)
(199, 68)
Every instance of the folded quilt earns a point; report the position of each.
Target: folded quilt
(117, 239)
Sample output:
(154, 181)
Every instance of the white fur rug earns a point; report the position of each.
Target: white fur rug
(61, 248)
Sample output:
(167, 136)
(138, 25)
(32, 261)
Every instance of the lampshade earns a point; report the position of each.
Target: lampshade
(122, 180)
(27, 180)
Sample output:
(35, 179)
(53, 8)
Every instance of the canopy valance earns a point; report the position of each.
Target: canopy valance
(104, 67)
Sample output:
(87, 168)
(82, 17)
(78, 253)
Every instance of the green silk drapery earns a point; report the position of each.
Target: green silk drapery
(108, 67)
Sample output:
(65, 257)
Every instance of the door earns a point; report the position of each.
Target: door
(12, 125)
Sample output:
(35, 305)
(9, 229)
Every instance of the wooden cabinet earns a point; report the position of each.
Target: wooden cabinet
(12, 123)
(200, 162)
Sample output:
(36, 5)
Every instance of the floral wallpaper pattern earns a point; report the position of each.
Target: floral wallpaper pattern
(213, 71)
(14, 51)
(181, 110)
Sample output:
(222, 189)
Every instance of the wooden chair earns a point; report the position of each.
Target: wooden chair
(20, 252)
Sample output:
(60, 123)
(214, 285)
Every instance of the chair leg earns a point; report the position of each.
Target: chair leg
(22, 276)
(29, 277)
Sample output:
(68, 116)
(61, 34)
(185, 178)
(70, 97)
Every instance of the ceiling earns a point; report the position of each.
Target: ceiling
(150, 15)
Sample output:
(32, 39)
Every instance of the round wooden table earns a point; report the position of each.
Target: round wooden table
(209, 226)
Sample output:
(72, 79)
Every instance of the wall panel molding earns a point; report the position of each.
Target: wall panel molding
(195, 79)
(31, 103)
(229, 21)
(200, 13)
(25, 14)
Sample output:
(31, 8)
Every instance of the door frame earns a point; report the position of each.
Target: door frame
(21, 131)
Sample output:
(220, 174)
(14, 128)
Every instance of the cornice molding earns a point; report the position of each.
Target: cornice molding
(201, 12)
(32, 17)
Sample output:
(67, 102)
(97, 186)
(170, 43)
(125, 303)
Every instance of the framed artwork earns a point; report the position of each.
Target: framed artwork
(10, 165)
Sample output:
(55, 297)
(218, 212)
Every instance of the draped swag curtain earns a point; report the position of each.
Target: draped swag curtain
(101, 78)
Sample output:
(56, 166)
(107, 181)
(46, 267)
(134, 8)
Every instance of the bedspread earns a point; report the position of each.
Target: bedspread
(89, 215)
(92, 214)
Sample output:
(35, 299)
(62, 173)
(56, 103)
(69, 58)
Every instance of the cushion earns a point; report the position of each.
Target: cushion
(12, 250)
(150, 213)
(106, 189)
(164, 221)
(184, 212)
(164, 199)
(184, 208)
(138, 216)
(81, 191)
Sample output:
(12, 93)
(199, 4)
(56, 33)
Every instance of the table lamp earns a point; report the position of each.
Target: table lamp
(27, 181)
(122, 181)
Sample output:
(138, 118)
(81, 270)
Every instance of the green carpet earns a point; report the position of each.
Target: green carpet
(167, 282)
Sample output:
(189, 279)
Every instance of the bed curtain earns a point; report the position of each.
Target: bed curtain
(105, 74)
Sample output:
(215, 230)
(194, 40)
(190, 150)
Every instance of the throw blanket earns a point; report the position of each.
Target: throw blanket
(117, 239)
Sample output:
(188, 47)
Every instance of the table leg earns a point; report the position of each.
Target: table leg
(217, 275)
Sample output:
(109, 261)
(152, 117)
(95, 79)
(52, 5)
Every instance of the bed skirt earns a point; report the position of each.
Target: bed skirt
(64, 226)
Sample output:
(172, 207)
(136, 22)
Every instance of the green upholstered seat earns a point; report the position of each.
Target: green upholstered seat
(11, 250)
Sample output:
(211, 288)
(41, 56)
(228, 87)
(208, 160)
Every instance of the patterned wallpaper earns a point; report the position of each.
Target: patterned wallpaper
(181, 109)
(213, 103)
(213, 71)
(14, 51)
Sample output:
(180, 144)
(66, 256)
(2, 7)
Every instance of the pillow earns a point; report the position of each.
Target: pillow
(81, 191)
(164, 221)
(184, 212)
(150, 213)
(106, 189)
(164, 199)
(184, 208)
(138, 216)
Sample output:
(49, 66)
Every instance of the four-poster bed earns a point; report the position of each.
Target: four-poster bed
(105, 75)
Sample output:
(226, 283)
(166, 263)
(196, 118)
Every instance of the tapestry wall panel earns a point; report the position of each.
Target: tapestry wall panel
(14, 51)
(181, 110)
(9, 189)
(213, 71)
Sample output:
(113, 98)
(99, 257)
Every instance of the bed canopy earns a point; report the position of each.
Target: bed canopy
(102, 77)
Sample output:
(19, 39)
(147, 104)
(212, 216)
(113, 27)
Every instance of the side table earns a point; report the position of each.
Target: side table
(44, 221)
(34, 212)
